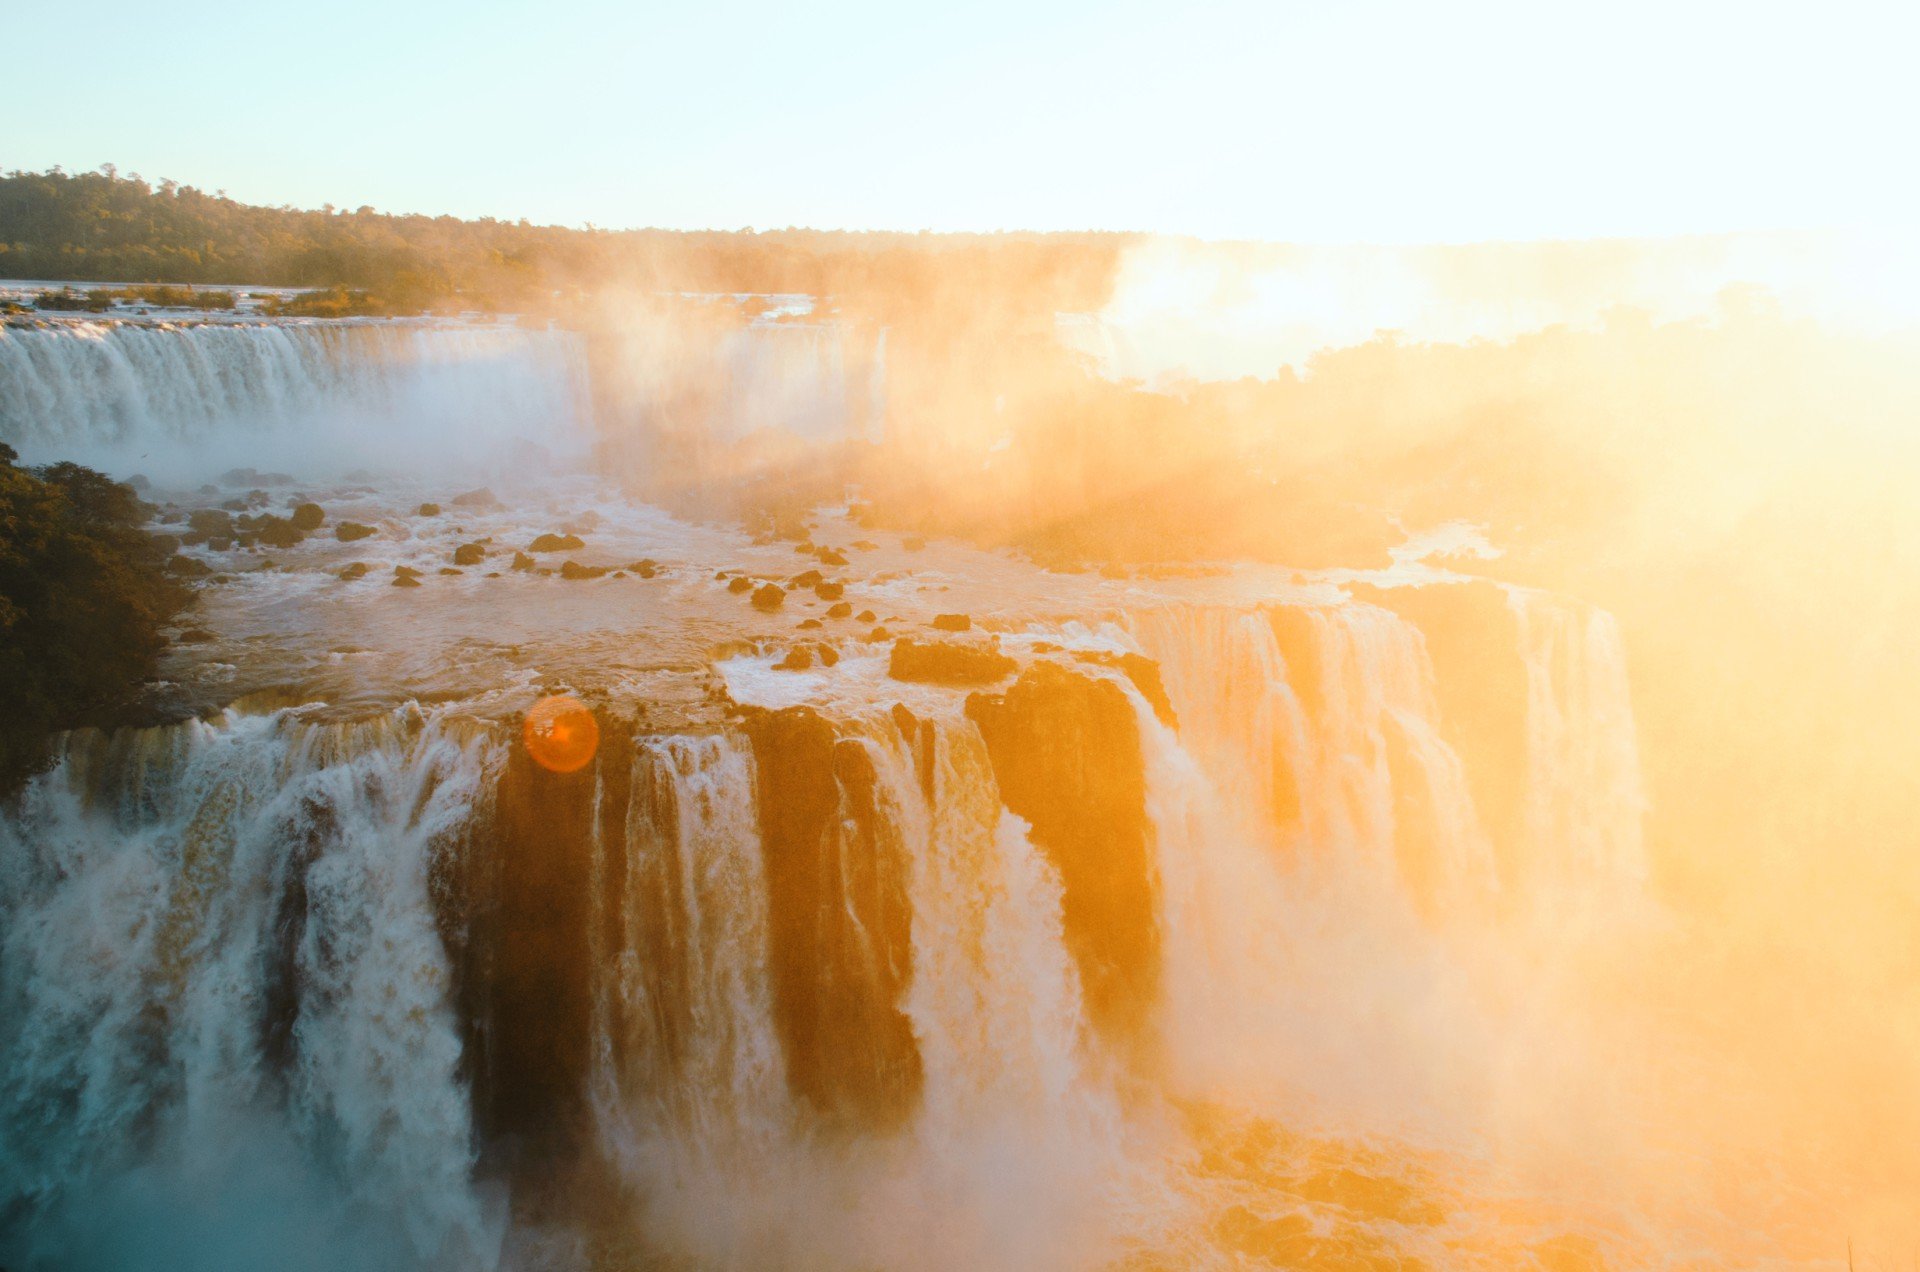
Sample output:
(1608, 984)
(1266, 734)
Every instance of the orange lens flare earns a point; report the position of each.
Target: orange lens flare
(561, 733)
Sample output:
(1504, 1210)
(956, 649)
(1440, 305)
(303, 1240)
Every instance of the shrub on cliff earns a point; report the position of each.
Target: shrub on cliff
(84, 592)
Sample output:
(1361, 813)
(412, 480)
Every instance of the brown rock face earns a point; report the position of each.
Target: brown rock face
(1480, 679)
(469, 554)
(527, 968)
(841, 925)
(1066, 753)
(948, 662)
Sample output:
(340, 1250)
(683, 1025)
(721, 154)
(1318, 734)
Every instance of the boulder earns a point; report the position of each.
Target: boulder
(740, 583)
(209, 522)
(799, 658)
(427, 510)
(949, 662)
(842, 610)
(406, 580)
(482, 498)
(405, 572)
(521, 561)
(358, 570)
(864, 616)
(574, 570)
(812, 578)
(556, 543)
(769, 596)
(469, 554)
(308, 516)
(830, 591)
(349, 531)
(277, 532)
(829, 556)
(952, 623)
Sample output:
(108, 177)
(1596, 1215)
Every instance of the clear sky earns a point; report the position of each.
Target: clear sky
(1341, 121)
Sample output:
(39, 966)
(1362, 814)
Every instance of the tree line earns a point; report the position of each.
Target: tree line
(108, 227)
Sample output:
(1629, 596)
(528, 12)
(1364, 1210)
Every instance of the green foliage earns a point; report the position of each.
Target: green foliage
(84, 592)
(98, 225)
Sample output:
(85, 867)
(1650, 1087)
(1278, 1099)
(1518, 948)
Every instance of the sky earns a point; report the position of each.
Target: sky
(1338, 122)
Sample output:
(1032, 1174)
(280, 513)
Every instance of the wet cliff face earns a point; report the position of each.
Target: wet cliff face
(840, 925)
(527, 893)
(1480, 679)
(1066, 753)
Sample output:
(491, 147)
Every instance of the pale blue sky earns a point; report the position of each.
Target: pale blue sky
(1381, 122)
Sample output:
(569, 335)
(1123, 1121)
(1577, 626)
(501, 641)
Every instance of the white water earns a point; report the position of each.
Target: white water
(1584, 804)
(689, 1083)
(179, 903)
(317, 399)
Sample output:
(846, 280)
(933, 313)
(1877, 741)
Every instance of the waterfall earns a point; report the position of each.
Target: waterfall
(221, 962)
(1233, 694)
(1383, 758)
(1584, 801)
(689, 1085)
(184, 403)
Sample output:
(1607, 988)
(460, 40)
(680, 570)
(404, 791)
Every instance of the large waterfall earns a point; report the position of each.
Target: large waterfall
(1138, 947)
(185, 403)
(241, 940)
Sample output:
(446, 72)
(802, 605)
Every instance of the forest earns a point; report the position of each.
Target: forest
(103, 226)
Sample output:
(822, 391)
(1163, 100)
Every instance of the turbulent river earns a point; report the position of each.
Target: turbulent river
(1224, 920)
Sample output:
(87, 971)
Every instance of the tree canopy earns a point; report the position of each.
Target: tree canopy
(84, 593)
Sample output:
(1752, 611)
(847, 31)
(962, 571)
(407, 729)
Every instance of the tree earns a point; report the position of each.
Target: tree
(84, 593)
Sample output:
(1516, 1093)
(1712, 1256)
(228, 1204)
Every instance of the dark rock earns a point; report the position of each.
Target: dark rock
(521, 561)
(811, 578)
(840, 922)
(830, 591)
(574, 570)
(769, 596)
(469, 554)
(208, 522)
(279, 532)
(952, 623)
(168, 543)
(556, 543)
(220, 545)
(864, 616)
(645, 568)
(877, 635)
(799, 658)
(447, 569)
(358, 570)
(949, 662)
(349, 531)
(1144, 672)
(308, 516)
(405, 572)
(1067, 756)
(842, 610)
(827, 654)
(809, 624)
(406, 580)
(427, 510)
(235, 505)
(828, 556)
(740, 583)
(195, 636)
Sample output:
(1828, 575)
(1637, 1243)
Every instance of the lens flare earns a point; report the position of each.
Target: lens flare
(561, 733)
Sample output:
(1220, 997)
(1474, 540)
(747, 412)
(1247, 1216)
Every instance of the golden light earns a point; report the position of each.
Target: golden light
(561, 734)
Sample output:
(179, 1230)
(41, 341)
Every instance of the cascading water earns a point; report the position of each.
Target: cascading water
(1584, 801)
(184, 403)
(221, 968)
